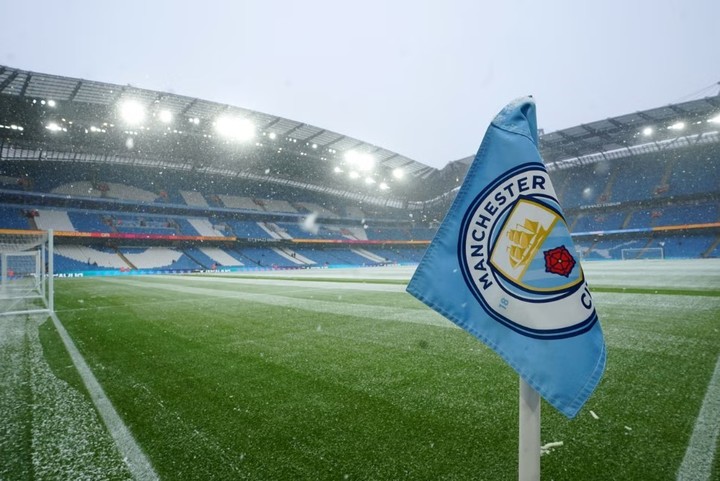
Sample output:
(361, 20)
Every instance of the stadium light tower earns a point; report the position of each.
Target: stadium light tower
(360, 161)
(647, 131)
(132, 112)
(677, 126)
(715, 120)
(165, 116)
(398, 173)
(235, 128)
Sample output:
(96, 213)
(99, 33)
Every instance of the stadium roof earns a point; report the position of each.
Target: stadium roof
(654, 127)
(32, 85)
(622, 132)
(671, 126)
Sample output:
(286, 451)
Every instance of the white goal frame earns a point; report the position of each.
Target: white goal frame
(641, 253)
(26, 272)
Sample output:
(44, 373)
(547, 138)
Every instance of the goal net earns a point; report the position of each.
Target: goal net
(26, 267)
(648, 253)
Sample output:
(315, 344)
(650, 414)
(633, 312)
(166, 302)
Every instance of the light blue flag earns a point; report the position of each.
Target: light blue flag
(503, 267)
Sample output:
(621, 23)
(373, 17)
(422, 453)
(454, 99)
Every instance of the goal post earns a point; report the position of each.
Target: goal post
(26, 272)
(647, 253)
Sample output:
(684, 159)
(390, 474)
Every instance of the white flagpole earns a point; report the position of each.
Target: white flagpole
(529, 436)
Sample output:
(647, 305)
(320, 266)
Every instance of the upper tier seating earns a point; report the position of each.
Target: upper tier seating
(194, 198)
(204, 227)
(105, 189)
(248, 230)
(89, 221)
(387, 233)
(321, 211)
(272, 205)
(235, 202)
(12, 218)
(53, 219)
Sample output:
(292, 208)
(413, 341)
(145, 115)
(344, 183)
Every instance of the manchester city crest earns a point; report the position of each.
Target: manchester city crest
(517, 257)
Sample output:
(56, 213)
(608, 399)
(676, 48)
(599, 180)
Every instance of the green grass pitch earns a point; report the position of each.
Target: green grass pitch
(283, 378)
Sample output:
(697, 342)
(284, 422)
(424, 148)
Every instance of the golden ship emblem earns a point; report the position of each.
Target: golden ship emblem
(525, 240)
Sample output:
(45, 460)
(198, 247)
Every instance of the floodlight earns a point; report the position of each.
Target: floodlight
(165, 116)
(369, 180)
(272, 135)
(53, 127)
(132, 112)
(51, 103)
(398, 173)
(647, 131)
(337, 170)
(235, 128)
(715, 120)
(353, 174)
(677, 126)
(383, 186)
(361, 161)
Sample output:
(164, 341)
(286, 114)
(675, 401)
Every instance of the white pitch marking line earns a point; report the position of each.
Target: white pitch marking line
(698, 461)
(132, 454)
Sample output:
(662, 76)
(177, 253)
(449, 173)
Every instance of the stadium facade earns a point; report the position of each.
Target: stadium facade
(134, 181)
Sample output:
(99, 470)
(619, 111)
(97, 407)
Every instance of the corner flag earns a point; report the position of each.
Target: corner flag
(503, 267)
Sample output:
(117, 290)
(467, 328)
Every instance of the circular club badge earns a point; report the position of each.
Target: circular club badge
(518, 259)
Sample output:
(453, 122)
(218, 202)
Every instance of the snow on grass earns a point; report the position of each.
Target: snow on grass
(225, 377)
(14, 401)
(698, 460)
(390, 313)
(51, 430)
(359, 273)
(688, 273)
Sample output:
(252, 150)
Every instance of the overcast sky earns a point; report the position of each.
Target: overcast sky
(420, 78)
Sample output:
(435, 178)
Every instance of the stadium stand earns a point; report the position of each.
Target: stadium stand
(593, 222)
(53, 219)
(354, 212)
(77, 189)
(387, 233)
(637, 180)
(622, 194)
(158, 258)
(248, 230)
(312, 208)
(236, 202)
(194, 198)
(274, 205)
(84, 221)
(85, 257)
(204, 227)
(264, 257)
(11, 217)
(220, 257)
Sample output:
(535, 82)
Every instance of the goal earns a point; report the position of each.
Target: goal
(648, 253)
(26, 272)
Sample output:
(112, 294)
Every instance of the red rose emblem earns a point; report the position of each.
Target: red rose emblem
(559, 261)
